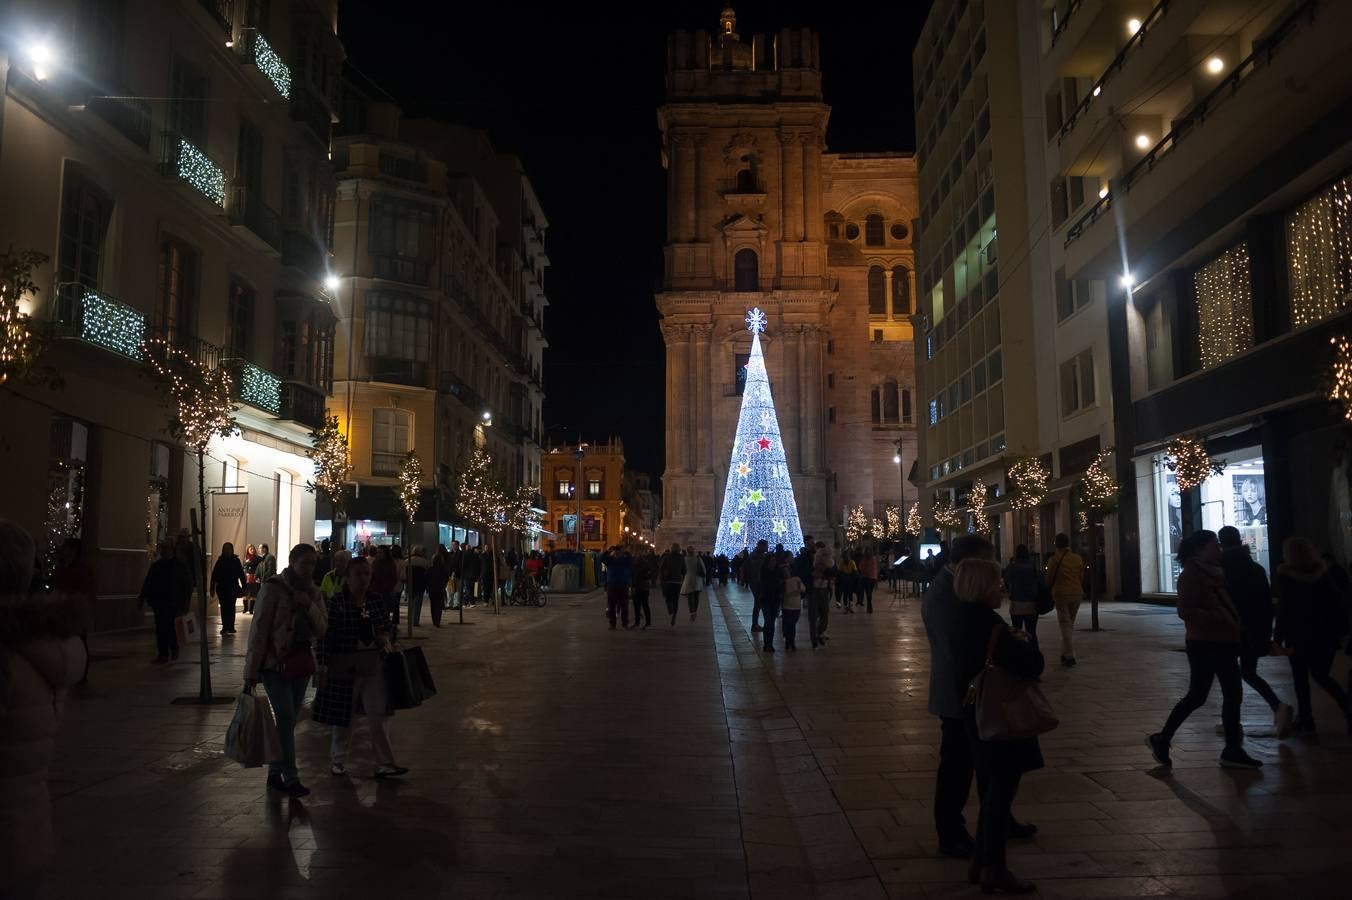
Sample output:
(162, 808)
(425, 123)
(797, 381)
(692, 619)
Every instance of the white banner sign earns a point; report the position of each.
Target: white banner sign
(229, 517)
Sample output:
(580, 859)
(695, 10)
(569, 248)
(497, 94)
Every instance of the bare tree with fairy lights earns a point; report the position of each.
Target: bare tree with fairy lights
(483, 503)
(20, 343)
(1098, 491)
(201, 405)
(410, 485)
(328, 451)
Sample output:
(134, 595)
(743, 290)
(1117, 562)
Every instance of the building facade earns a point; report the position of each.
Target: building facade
(759, 214)
(440, 260)
(595, 485)
(170, 162)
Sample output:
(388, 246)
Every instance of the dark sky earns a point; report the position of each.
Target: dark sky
(573, 88)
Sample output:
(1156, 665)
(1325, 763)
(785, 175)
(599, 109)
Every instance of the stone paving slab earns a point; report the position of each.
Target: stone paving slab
(561, 759)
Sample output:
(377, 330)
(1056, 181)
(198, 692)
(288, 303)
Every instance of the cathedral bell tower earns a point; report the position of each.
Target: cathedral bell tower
(743, 131)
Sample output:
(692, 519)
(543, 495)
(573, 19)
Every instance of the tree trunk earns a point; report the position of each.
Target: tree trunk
(201, 575)
(493, 561)
(1093, 571)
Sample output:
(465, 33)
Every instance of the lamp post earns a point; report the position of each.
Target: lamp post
(577, 492)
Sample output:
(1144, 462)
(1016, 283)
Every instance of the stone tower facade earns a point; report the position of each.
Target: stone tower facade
(748, 180)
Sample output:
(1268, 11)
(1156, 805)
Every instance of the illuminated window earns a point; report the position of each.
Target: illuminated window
(594, 488)
(1319, 254)
(1224, 298)
(901, 291)
(390, 429)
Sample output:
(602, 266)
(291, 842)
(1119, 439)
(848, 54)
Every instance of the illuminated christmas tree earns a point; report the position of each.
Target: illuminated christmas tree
(758, 500)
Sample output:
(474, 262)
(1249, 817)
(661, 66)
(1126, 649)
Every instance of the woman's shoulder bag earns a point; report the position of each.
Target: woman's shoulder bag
(1008, 706)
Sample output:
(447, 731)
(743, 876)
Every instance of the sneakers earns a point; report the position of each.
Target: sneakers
(1068, 662)
(1159, 749)
(1284, 717)
(1238, 759)
(295, 790)
(390, 771)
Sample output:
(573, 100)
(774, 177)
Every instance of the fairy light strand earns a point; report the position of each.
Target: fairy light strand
(1187, 458)
(914, 523)
(1224, 307)
(271, 65)
(329, 453)
(1028, 478)
(1318, 246)
(1341, 390)
(1098, 486)
(976, 505)
(201, 399)
(894, 529)
(410, 485)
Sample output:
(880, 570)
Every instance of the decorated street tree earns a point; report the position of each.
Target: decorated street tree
(328, 451)
(758, 500)
(1099, 492)
(410, 485)
(915, 525)
(483, 503)
(894, 529)
(856, 524)
(946, 516)
(20, 343)
(201, 406)
(976, 505)
(1027, 481)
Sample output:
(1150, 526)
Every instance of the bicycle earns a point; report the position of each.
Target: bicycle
(525, 592)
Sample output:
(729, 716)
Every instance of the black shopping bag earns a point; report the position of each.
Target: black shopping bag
(401, 689)
(417, 663)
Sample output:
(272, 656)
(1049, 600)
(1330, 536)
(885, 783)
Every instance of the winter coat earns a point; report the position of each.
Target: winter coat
(939, 610)
(267, 568)
(671, 569)
(1205, 606)
(793, 593)
(1310, 613)
(693, 582)
(755, 569)
(34, 675)
(227, 578)
(1247, 585)
(823, 562)
(1022, 580)
(1065, 575)
(868, 567)
(641, 574)
(384, 576)
(274, 623)
(968, 645)
(167, 586)
(333, 701)
(617, 569)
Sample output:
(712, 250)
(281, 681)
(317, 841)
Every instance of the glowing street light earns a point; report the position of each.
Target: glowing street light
(41, 56)
(1128, 280)
(332, 283)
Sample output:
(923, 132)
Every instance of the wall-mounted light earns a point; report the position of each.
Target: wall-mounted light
(332, 283)
(42, 58)
(1128, 280)
(1103, 192)
(1215, 65)
(1133, 26)
(1143, 141)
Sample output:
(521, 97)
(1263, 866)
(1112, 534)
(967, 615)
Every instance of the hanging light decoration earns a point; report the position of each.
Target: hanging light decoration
(1098, 487)
(976, 505)
(203, 404)
(946, 515)
(1341, 391)
(410, 484)
(914, 524)
(1318, 245)
(1224, 307)
(1187, 458)
(879, 530)
(1028, 478)
(893, 522)
(328, 451)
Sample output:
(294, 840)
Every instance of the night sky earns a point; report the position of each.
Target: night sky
(573, 88)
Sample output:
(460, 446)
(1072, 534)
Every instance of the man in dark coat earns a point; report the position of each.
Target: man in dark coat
(227, 584)
(167, 589)
(1249, 590)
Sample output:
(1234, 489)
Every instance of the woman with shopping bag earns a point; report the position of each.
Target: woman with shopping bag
(351, 676)
(288, 618)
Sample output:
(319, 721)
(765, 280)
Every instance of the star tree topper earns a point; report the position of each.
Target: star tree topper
(756, 320)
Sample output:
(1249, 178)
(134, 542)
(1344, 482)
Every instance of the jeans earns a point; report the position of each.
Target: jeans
(692, 602)
(436, 595)
(1314, 663)
(770, 607)
(757, 610)
(1208, 661)
(227, 605)
(641, 606)
(1066, 610)
(791, 626)
(868, 586)
(671, 594)
(1028, 622)
(1248, 670)
(818, 609)
(166, 638)
(368, 692)
(617, 603)
(286, 696)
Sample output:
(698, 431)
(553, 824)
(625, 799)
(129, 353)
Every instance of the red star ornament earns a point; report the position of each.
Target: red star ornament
(763, 443)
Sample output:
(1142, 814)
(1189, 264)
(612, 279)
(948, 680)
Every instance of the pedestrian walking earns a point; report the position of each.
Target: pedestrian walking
(250, 565)
(227, 585)
(1065, 577)
(1212, 627)
(438, 574)
(641, 576)
(618, 571)
(290, 617)
(819, 596)
(868, 577)
(76, 581)
(324, 562)
(415, 585)
(1311, 622)
(977, 629)
(469, 579)
(385, 579)
(267, 567)
(941, 612)
(167, 588)
(772, 593)
(41, 656)
(754, 569)
(790, 610)
(847, 577)
(336, 578)
(1023, 581)
(351, 671)
(721, 561)
(671, 572)
(1247, 584)
(694, 579)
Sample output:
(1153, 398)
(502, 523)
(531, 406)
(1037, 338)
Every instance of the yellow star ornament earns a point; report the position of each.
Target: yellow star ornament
(735, 526)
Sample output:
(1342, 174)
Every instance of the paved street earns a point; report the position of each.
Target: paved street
(562, 759)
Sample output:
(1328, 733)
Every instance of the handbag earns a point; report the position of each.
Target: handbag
(417, 662)
(1009, 707)
(402, 689)
(297, 662)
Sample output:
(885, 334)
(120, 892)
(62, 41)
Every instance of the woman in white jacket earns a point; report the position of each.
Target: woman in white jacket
(693, 581)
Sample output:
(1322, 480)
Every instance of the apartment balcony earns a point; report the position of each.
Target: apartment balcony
(184, 161)
(400, 268)
(256, 386)
(309, 109)
(449, 383)
(220, 12)
(101, 320)
(255, 51)
(128, 116)
(255, 220)
(403, 168)
(302, 250)
(391, 370)
(302, 404)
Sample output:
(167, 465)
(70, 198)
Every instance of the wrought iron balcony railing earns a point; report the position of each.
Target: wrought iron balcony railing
(248, 210)
(180, 158)
(303, 404)
(100, 319)
(130, 116)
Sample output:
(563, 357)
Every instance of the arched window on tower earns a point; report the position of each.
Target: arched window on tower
(873, 231)
(746, 270)
(901, 291)
(890, 402)
(746, 181)
(875, 406)
(877, 291)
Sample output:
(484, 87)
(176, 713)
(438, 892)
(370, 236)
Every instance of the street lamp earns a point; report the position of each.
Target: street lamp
(577, 490)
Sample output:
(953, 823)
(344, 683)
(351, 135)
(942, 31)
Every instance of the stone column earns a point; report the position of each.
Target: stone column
(812, 186)
(887, 294)
(700, 212)
(685, 186)
(800, 389)
(678, 398)
(815, 425)
(703, 405)
(793, 186)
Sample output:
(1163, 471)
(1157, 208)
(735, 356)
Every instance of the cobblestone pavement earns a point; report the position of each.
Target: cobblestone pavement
(563, 759)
